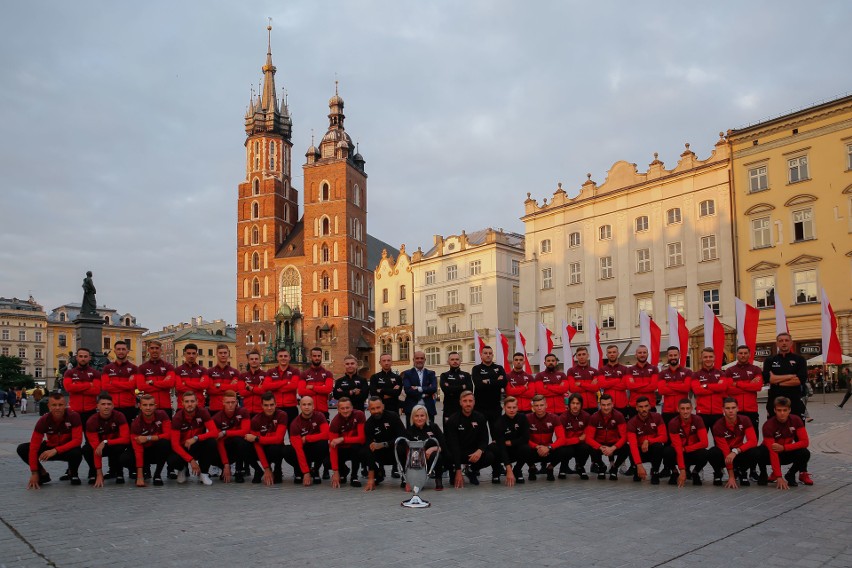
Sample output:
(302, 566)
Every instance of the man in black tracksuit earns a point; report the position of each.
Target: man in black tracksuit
(380, 431)
(511, 444)
(467, 441)
(387, 385)
(351, 385)
(489, 381)
(453, 383)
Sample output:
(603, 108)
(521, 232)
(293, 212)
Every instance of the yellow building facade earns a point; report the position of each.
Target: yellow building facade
(23, 335)
(207, 340)
(792, 186)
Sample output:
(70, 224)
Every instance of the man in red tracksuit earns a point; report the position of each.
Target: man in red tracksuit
(56, 437)
(251, 384)
(688, 447)
(641, 381)
(606, 435)
(735, 446)
(151, 440)
(583, 379)
(646, 436)
(267, 434)
(191, 376)
(710, 387)
(674, 384)
(520, 384)
(574, 421)
(283, 381)
(223, 378)
(83, 383)
(552, 384)
(233, 423)
(745, 381)
(108, 436)
(193, 440)
(317, 382)
(119, 379)
(547, 436)
(157, 377)
(346, 442)
(785, 440)
(613, 379)
(308, 447)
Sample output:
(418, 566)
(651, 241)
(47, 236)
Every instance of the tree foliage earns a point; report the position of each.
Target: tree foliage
(12, 375)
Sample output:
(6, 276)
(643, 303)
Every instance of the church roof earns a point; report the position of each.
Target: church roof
(294, 246)
(374, 250)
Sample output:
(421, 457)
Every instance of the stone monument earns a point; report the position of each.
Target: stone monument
(89, 324)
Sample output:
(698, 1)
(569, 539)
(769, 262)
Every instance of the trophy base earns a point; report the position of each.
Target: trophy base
(416, 503)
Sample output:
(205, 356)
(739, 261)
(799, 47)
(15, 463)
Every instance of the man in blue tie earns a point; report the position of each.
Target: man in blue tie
(420, 386)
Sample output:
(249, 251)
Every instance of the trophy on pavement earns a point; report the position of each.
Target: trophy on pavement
(416, 470)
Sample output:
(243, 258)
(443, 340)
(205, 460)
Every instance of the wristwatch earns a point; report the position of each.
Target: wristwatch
(149, 438)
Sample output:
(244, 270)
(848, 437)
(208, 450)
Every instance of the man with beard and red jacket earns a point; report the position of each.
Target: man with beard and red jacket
(223, 378)
(56, 437)
(785, 440)
(191, 376)
(157, 377)
(745, 381)
(83, 383)
(547, 436)
(735, 446)
(641, 381)
(574, 421)
(351, 385)
(233, 423)
(688, 447)
(317, 382)
(646, 436)
(489, 382)
(583, 379)
(251, 384)
(119, 379)
(283, 381)
(346, 440)
(674, 384)
(268, 430)
(606, 435)
(552, 384)
(520, 384)
(150, 438)
(613, 379)
(710, 387)
(108, 436)
(308, 447)
(193, 440)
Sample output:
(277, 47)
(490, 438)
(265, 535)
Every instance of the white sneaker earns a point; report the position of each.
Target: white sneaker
(205, 479)
(214, 471)
(181, 478)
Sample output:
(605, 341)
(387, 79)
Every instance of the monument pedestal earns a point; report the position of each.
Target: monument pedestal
(90, 332)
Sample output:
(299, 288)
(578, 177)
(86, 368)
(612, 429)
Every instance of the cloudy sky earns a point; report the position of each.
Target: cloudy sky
(121, 124)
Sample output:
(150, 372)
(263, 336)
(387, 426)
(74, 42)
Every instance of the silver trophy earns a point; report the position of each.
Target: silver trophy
(416, 470)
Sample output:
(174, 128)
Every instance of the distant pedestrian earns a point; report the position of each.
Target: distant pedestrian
(23, 401)
(11, 400)
(2, 401)
(848, 378)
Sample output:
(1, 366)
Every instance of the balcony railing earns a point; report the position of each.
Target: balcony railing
(450, 309)
(464, 334)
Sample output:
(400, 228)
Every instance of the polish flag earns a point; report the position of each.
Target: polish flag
(831, 353)
(649, 336)
(748, 318)
(501, 350)
(595, 353)
(568, 333)
(480, 344)
(678, 334)
(521, 345)
(780, 317)
(545, 344)
(714, 335)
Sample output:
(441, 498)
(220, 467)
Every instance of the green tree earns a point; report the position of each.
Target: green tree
(12, 375)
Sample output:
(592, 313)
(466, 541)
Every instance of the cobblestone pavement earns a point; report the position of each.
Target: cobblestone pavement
(562, 523)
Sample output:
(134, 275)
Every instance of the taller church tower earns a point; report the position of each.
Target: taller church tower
(267, 212)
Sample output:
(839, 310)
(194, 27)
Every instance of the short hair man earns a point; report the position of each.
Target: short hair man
(467, 441)
(547, 436)
(520, 384)
(613, 376)
(710, 387)
(150, 439)
(223, 378)
(674, 383)
(268, 430)
(642, 378)
(283, 381)
(251, 386)
(351, 385)
(346, 443)
(585, 380)
(193, 440)
(552, 384)
(381, 430)
(688, 447)
(489, 382)
(785, 441)
(511, 443)
(157, 377)
(453, 382)
(574, 421)
(190, 376)
(606, 435)
(420, 386)
(646, 436)
(387, 385)
(735, 446)
(108, 436)
(119, 379)
(56, 437)
(233, 423)
(83, 383)
(308, 447)
(786, 372)
(317, 382)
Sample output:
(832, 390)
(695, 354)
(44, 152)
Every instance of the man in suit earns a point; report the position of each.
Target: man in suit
(420, 386)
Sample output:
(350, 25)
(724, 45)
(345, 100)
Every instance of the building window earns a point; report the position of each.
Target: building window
(325, 254)
(325, 192)
(475, 295)
(457, 348)
(605, 232)
(271, 155)
(757, 179)
(325, 228)
(255, 236)
(356, 195)
(63, 316)
(385, 319)
(475, 267)
(798, 169)
(608, 315)
(255, 187)
(452, 324)
(711, 298)
(516, 268)
(255, 287)
(39, 372)
(805, 283)
(430, 302)
(403, 349)
(22, 352)
(255, 314)
(22, 335)
(452, 272)
(403, 317)
(574, 239)
(38, 352)
(38, 336)
(402, 292)
(63, 339)
(641, 224)
(431, 327)
(452, 297)
(325, 282)
(476, 320)
(849, 157)
(546, 278)
(677, 300)
(761, 233)
(326, 356)
(575, 317)
(545, 246)
(707, 208)
(606, 267)
(107, 343)
(255, 210)
(384, 295)
(644, 305)
(764, 291)
(708, 248)
(387, 346)
(674, 254)
(803, 225)
(673, 216)
(516, 295)
(255, 261)
(430, 277)
(575, 273)
(130, 344)
(433, 356)
(5, 352)
(643, 260)
(5, 335)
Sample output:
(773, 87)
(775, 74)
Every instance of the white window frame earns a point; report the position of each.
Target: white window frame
(758, 179)
(575, 273)
(797, 169)
(707, 208)
(431, 302)
(677, 300)
(761, 232)
(475, 267)
(674, 257)
(431, 327)
(809, 283)
(452, 272)
(709, 248)
(433, 356)
(475, 295)
(605, 263)
(545, 247)
(576, 317)
(605, 232)
(452, 297)
(516, 267)
(640, 224)
(809, 222)
(645, 303)
(674, 216)
(715, 304)
(606, 312)
(643, 260)
(546, 278)
(575, 239)
(764, 296)
(430, 277)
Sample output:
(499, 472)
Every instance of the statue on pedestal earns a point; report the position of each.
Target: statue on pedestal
(90, 305)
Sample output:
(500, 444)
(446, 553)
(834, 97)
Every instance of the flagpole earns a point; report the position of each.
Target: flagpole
(824, 376)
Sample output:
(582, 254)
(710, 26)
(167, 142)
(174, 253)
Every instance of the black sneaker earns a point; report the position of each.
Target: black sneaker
(239, 477)
(550, 476)
(601, 475)
(277, 478)
(325, 474)
(717, 479)
(298, 480)
(673, 477)
(655, 478)
(402, 484)
(595, 468)
(91, 480)
(791, 480)
(74, 480)
(636, 478)
(744, 482)
(473, 477)
(562, 475)
(43, 478)
(584, 476)
(171, 475)
(533, 475)
(696, 479)
(394, 473)
(763, 480)
(753, 475)
(665, 472)
(158, 481)
(132, 475)
(354, 482)
(613, 473)
(519, 480)
(119, 480)
(495, 480)
(317, 480)
(65, 476)
(258, 476)
(630, 470)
